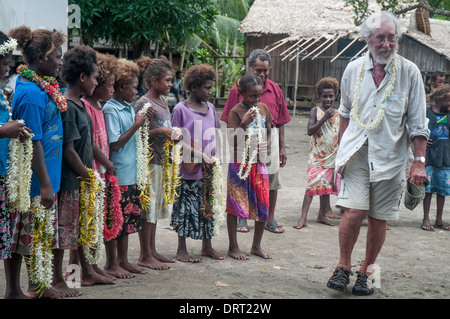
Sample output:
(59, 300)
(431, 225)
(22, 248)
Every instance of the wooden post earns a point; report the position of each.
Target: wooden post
(296, 80)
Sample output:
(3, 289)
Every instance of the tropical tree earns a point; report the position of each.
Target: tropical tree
(439, 9)
(139, 23)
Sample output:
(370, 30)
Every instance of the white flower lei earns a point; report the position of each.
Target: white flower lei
(8, 46)
(92, 201)
(40, 260)
(252, 131)
(144, 155)
(218, 204)
(390, 86)
(19, 169)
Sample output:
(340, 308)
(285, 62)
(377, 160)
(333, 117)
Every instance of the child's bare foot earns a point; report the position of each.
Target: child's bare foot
(152, 263)
(330, 214)
(96, 278)
(236, 253)
(260, 252)
(61, 291)
(162, 258)
(324, 220)
(132, 268)
(301, 223)
(209, 252)
(102, 272)
(118, 272)
(183, 256)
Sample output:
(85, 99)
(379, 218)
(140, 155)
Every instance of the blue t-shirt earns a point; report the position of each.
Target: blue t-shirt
(4, 142)
(118, 119)
(42, 116)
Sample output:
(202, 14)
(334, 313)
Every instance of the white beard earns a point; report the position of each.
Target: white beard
(379, 59)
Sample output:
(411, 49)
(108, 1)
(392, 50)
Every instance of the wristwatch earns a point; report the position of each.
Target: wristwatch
(420, 158)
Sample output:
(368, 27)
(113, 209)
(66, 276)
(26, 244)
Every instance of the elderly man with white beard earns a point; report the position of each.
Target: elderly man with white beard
(382, 110)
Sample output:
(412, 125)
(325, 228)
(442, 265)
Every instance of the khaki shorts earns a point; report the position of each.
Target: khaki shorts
(273, 161)
(381, 199)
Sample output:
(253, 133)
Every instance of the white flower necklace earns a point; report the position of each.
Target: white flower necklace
(144, 155)
(19, 169)
(253, 129)
(92, 201)
(390, 86)
(40, 260)
(8, 46)
(218, 194)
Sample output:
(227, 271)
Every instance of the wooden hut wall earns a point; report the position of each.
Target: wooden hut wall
(426, 59)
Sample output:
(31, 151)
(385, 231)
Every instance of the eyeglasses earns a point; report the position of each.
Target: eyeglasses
(389, 39)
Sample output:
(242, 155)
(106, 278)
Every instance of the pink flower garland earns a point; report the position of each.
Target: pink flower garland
(114, 209)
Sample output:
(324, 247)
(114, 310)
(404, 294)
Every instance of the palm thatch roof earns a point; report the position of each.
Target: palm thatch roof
(306, 20)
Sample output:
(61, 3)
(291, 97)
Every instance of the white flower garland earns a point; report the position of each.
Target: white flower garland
(144, 155)
(8, 46)
(219, 201)
(92, 201)
(19, 169)
(390, 86)
(40, 260)
(252, 130)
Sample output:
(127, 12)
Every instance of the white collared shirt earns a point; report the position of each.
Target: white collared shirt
(405, 116)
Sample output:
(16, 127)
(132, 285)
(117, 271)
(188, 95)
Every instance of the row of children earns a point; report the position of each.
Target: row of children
(74, 135)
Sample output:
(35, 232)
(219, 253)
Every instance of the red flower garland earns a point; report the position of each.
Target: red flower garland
(48, 84)
(115, 211)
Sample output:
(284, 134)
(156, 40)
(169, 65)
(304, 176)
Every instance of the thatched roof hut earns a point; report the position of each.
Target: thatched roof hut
(312, 39)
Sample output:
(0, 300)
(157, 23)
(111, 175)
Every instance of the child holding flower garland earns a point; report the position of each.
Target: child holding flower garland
(192, 214)
(8, 129)
(158, 81)
(79, 72)
(106, 65)
(39, 102)
(121, 125)
(248, 182)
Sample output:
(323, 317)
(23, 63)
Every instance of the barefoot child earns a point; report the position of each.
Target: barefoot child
(8, 129)
(248, 185)
(192, 214)
(323, 127)
(103, 92)
(438, 157)
(158, 81)
(79, 72)
(121, 126)
(39, 103)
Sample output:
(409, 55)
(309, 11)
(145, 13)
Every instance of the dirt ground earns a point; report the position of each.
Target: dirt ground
(413, 263)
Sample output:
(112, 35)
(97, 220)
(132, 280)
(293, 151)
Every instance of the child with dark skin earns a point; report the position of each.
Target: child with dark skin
(327, 95)
(251, 96)
(199, 81)
(42, 52)
(125, 91)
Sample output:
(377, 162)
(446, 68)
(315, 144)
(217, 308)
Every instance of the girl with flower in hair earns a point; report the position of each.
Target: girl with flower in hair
(38, 102)
(8, 129)
(193, 214)
(122, 123)
(248, 182)
(157, 79)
